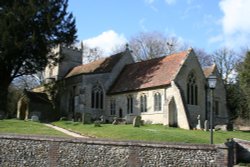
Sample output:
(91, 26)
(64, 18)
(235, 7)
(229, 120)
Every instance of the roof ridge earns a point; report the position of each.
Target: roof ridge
(162, 57)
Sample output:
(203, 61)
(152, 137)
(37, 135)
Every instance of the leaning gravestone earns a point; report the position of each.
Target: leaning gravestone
(115, 122)
(137, 121)
(86, 118)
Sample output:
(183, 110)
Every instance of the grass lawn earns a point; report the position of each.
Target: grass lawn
(150, 133)
(12, 126)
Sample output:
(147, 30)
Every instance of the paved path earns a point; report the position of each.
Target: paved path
(66, 131)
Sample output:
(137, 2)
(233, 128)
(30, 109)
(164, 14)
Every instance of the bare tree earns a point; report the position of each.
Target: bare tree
(204, 58)
(226, 60)
(153, 44)
(28, 81)
(90, 54)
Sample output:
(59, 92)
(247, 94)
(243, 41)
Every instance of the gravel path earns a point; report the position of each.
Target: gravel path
(73, 134)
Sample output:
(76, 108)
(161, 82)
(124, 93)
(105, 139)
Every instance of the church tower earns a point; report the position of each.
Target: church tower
(68, 57)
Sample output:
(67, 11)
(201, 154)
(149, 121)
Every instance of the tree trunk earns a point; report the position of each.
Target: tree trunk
(4, 85)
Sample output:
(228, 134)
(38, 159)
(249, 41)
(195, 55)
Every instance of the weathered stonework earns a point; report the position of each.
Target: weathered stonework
(40, 151)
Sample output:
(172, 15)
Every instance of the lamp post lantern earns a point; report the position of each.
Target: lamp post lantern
(212, 79)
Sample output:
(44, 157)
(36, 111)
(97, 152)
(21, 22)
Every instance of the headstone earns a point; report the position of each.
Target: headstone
(137, 121)
(102, 119)
(198, 126)
(35, 118)
(115, 122)
(97, 123)
(86, 118)
(221, 127)
(206, 125)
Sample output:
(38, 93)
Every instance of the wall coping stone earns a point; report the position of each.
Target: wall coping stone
(98, 141)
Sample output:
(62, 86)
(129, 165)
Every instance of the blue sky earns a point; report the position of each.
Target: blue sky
(206, 24)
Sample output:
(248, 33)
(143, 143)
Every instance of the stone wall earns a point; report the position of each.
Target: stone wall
(41, 151)
(242, 150)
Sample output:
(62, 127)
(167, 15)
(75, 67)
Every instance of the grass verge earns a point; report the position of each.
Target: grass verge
(13, 126)
(150, 133)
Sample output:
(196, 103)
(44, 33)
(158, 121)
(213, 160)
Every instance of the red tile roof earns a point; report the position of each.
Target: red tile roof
(99, 66)
(209, 70)
(151, 73)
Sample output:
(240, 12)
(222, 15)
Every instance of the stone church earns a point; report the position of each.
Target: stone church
(170, 90)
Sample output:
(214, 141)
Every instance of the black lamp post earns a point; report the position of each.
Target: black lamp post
(212, 79)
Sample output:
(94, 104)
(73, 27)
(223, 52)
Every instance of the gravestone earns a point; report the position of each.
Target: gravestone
(115, 122)
(206, 125)
(137, 121)
(35, 118)
(198, 126)
(221, 127)
(86, 118)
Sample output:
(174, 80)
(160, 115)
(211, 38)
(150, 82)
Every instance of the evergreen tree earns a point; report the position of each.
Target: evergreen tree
(28, 31)
(236, 101)
(244, 76)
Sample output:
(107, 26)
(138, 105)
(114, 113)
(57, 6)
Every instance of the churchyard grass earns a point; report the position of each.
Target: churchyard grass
(150, 133)
(13, 126)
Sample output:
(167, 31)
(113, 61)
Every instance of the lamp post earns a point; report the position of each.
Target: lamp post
(212, 79)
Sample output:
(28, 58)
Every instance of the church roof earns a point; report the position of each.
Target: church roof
(151, 73)
(36, 96)
(103, 65)
(209, 70)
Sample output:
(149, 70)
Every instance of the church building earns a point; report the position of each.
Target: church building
(170, 90)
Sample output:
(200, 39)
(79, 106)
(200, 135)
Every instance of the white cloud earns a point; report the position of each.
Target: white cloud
(235, 23)
(170, 2)
(235, 16)
(149, 1)
(107, 41)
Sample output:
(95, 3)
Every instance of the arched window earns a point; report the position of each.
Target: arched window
(157, 101)
(192, 90)
(97, 97)
(112, 107)
(129, 104)
(143, 103)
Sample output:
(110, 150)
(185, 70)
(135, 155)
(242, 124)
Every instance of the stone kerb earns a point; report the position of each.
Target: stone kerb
(102, 152)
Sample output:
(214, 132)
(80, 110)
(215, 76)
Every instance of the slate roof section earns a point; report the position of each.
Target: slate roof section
(36, 96)
(104, 65)
(209, 70)
(148, 74)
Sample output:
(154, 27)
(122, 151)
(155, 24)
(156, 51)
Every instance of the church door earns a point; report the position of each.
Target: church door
(120, 113)
(173, 114)
(23, 110)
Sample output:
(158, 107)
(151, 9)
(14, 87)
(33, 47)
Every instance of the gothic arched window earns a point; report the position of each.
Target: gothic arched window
(97, 97)
(143, 102)
(112, 107)
(157, 101)
(129, 104)
(192, 90)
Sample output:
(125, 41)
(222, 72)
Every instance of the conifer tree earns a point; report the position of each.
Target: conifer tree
(28, 31)
(244, 78)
